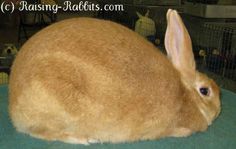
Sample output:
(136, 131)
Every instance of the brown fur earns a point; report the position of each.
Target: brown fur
(85, 80)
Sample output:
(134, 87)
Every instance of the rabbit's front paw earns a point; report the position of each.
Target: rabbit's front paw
(181, 132)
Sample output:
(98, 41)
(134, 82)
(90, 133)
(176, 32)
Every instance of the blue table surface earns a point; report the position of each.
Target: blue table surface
(220, 135)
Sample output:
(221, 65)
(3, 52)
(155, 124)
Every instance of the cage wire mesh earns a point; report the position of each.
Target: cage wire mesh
(4, 71)
(214, 45)
(3, 78)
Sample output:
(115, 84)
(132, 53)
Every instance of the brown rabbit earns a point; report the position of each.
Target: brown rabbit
(86, 80)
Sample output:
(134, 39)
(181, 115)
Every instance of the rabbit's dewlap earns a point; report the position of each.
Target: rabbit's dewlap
(86, 80)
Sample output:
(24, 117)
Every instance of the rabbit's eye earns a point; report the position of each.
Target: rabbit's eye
(204, 91)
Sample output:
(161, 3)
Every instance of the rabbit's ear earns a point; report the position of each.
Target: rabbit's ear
(147, 13)
(178, 45)
(139, 15)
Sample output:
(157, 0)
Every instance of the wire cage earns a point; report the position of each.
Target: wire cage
(4, 70)
(215, 48)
